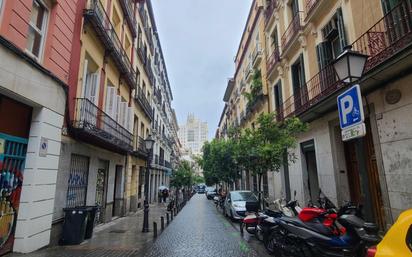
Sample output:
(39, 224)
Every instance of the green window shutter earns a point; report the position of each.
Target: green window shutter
(341, 29)
(324, 54)
(302, 71)
(280, 92)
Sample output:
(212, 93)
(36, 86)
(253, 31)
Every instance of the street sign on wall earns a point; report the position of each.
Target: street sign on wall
(351, 115)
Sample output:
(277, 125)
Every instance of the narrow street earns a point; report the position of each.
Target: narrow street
(200, 230)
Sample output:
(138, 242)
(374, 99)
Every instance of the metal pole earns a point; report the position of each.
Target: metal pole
(146, 195)
(154, 229)
(162, 223)
(167, 218)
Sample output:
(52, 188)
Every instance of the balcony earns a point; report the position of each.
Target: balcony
(249, 73)
(144, 103)
(100, 21)
(139, 147)
(94, 126)
(386, 42)
(273, 4)
(256, 55)
(144, 19)
(292, 32)
(387, 37)
(128, 10)
(272, 61)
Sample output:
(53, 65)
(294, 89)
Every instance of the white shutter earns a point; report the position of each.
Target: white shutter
(117, 113)
(84, 78)
(130, 119)
(108, 105)
(94, 88)
(124, 110)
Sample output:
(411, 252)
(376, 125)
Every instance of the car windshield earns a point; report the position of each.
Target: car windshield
(210, 189)
(243, 196)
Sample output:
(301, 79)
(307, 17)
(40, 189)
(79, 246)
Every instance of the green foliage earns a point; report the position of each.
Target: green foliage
(183, 176)
(255, 88)
(255, 150)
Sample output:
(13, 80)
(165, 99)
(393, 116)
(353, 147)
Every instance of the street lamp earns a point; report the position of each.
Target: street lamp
(149, 142)
(350, 65)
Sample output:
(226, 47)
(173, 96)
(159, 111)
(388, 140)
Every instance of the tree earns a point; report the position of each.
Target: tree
(183, 176)
(262, 149)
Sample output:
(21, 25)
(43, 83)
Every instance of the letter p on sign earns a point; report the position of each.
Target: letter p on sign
(350, 107)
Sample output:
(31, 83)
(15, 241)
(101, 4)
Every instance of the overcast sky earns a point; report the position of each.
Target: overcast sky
(200, 39)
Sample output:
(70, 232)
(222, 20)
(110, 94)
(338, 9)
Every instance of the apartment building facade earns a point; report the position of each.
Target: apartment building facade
(35, 67)
(193, 134)
(302, 40)
(76, 101)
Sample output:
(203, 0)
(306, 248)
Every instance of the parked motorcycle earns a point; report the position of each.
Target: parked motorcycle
(320, 231)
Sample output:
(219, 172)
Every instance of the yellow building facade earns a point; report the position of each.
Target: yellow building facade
(300, 41)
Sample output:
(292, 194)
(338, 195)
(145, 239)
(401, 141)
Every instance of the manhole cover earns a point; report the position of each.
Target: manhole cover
(118, 231)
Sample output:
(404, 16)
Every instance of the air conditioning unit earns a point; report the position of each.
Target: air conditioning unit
(330, 30)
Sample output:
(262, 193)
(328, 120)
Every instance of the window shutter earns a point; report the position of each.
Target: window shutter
(117, 113)
(302, 71)
(94, 88)
(85, 78)
(110, 101)
(341, 29)
(280, 92)
(129, 120)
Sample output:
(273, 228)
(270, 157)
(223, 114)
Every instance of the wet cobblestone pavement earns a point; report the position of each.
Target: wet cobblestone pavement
(197, 230)
(200, 230)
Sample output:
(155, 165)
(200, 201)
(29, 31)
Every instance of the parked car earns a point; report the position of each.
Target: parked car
(398, 241)
(210, 192)
(235, 203)
(201, 189)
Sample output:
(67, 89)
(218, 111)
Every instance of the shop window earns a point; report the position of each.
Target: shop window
(37, 29)
(78, 180)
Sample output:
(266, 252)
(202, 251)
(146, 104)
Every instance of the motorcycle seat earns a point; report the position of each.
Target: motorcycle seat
(314, 226)
(371, 228)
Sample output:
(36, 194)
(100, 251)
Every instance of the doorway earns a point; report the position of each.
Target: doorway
(101, 190)
(118, 192)
(311, 180)
(363, 176)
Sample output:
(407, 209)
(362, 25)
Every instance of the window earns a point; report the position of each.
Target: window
(191, 135)
(334, 40)
(37, 29)
(277, 94)
(91, 81)
(298, 81)
(409, 238)
(77, 183)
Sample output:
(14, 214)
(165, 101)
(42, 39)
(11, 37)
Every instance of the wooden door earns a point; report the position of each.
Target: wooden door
(373, 178)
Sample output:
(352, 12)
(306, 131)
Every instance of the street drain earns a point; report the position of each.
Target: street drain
(118, 231)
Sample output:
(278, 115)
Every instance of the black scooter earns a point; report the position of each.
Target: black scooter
(289, 236)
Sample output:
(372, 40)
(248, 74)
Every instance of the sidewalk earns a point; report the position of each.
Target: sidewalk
(121, 237)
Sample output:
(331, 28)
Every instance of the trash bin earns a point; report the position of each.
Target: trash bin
(92, 210)
(74, 227)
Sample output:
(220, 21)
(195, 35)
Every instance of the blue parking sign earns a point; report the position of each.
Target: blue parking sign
(350, 107)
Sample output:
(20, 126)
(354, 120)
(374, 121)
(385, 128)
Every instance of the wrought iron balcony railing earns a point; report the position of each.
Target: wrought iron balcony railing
(292, 31)
(128, 10)
(139, 147)
(273, 59)
(391, 34)
(98, 18)
(310, 5)
(144, 103)
(95, 126)
(272, 5)
(256, 55)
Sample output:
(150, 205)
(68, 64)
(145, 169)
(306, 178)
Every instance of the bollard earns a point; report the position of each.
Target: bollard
(171, 215)
(154, 229)
(162, 223)
(241, 228)
(167, 218)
